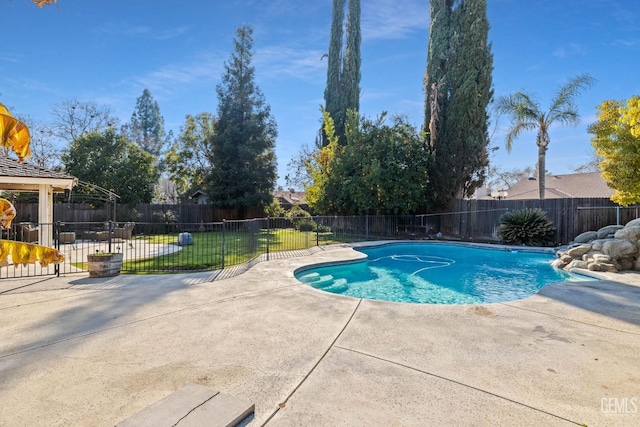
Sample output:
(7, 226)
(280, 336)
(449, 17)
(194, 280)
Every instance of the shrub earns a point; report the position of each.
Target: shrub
(306, 225)
(528, 227)
(274, 210)
(297, 215)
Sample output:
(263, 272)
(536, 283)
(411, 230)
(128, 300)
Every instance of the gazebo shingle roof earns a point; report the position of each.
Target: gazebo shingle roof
(11, 167)
(27, 177)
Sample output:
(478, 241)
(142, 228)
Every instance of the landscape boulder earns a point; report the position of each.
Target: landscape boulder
(607, 231)
(586, 237)
(610, 249)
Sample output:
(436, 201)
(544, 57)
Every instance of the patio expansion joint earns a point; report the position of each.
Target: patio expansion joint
(571, 320)
(331, 346)
(459, 383)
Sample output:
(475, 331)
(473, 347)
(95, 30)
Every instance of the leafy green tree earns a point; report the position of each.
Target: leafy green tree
(190, 158)
(381, 170)
(526, 115)
(319, 165)
(147, 125)
(616, 138)
(244, 162)
(109, 160)
(458, 86)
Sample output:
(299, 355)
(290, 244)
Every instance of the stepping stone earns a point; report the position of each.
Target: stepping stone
(193, 406)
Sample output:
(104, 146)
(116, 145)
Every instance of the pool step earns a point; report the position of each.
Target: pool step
(316, 279)
(338, 286)
(309, 278)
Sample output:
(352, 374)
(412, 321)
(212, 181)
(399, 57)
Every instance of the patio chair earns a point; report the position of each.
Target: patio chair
(124, 232)
(30, 233)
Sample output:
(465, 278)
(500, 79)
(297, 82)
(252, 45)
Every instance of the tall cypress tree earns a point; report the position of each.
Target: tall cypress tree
(351, 67)
(332, 92)
(456, 118)
(440, 32)
(244, 163)
(343, 73)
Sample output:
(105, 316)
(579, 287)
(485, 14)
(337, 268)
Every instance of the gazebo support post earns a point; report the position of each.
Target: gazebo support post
(45, 215)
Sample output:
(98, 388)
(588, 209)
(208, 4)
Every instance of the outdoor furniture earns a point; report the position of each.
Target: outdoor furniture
(102, 236)
(30, 234)
(124, 232)
(67, 237)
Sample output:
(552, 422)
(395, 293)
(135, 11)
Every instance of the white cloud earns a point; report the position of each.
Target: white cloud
(303, 64)
(572, 49)
(393, 19)
(128, 30)
(204, 68)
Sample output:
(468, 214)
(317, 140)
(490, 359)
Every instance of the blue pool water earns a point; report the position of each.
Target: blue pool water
(439, 274)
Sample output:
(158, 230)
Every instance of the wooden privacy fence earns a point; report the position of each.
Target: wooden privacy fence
(479, 219)
(465, 219)
(159, 213)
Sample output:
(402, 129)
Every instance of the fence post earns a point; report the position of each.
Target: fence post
(317, 232)
(56, 233)
(268, 236)
(366, 227)
(109, 235)
(223, 227)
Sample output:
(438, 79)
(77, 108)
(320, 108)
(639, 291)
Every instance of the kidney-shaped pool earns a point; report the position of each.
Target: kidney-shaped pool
(436, 273)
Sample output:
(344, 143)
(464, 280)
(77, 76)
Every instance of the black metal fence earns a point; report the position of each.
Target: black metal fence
(183, 247)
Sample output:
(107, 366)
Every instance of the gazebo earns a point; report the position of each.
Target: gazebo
(24, 177)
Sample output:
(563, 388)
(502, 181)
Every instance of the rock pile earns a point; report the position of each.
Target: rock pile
(611, 249)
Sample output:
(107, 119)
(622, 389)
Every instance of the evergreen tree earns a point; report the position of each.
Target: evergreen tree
(440, 33)
(459, 89)
(343, 72)
(244, 164)
(350, 80)
(332, 92)
(147, 125)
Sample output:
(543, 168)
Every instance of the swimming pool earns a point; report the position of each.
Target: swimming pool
(437, 273)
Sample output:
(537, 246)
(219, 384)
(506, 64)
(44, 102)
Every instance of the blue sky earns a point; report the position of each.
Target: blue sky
(109, 51)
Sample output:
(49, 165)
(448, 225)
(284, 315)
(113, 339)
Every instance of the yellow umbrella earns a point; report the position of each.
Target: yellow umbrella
(7, 213)
(41, 3)
(14, 134)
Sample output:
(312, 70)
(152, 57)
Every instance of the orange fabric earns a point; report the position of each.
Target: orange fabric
(41, 3)
(27, 253)
(7, 213)
(14, 134)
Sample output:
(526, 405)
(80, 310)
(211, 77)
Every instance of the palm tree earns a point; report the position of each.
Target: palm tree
(526, 115)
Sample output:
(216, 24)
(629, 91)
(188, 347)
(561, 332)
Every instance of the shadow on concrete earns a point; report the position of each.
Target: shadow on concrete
(613, 299)
(90, 306)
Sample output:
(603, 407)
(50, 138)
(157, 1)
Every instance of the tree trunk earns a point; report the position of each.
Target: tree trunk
(542, 154)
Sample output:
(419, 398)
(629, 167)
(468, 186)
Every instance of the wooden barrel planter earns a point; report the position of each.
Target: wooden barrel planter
(104, 265)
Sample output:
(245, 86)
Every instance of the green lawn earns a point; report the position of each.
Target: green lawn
(206, 253)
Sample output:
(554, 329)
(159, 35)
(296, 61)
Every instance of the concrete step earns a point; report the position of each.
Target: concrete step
(193, 406)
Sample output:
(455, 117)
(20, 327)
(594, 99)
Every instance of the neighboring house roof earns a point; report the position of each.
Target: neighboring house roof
(27, 177)
(576, 185)
(291, 198)
(197, 194)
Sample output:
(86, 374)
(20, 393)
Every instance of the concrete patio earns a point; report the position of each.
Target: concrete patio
(76, 351)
